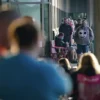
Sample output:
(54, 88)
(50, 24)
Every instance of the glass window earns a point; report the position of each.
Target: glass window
(46, 0)
(29, 0)
(4, 1)
(32, 10)
(46, 19)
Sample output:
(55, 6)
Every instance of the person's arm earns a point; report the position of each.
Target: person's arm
(91, 34)
(57, 80)
(63, 44)
(64, 80)
(75, 36)
(60, 28)
(71, 34)
(71, 30)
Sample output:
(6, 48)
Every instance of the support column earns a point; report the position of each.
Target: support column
(97, 27)
(91, 12)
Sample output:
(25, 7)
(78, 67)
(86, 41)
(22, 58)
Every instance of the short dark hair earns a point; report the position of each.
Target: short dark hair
(24, 31)
(26, 35)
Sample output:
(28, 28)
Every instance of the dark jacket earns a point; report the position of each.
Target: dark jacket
(59, 42)
(67, 30)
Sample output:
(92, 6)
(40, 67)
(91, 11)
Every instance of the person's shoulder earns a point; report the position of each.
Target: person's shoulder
(50, 67)
(61, 24)
(5, 62)
(47, 65)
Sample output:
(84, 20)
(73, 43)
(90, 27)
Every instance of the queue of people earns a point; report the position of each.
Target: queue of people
(24, 77)
(86, 77)
(76, 33)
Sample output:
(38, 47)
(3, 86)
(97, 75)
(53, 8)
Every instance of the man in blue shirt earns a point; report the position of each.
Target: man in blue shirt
(22, 76)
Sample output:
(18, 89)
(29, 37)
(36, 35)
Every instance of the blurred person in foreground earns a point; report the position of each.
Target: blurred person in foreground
(22, 76)
(88, 68)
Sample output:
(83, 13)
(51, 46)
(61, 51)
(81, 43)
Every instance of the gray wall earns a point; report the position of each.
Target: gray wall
(78, 6)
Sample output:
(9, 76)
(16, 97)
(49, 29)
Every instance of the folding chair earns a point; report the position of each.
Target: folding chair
(57, 55)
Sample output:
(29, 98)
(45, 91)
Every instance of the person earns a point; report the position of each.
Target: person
(64, 62)
(83, 36)
(67, 30)
(59, 40)
(72, 55)
(75, 23)
(61, 45)
(89, 67)
(69, 51)
(22, 76)
(78, 24)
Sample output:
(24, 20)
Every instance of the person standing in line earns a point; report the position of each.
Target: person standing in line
(67, 30)
(78, 24)
(22, 76)
(83, 37)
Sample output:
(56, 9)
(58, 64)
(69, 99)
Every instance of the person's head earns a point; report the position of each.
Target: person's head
(89, 63)
(61, 35)
(64, 62)
(65, 20)
(25, 33)
(79, 21)
(85, 23)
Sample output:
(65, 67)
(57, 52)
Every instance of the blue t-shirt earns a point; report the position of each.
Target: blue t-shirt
(25, 78)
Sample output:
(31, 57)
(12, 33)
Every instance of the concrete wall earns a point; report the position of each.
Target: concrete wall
(91, 12)
(97, 27)
(60, 9)
(78, 6)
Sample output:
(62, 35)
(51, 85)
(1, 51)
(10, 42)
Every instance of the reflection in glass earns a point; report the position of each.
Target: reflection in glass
(32, 10)
(46, 19)
(29, 0)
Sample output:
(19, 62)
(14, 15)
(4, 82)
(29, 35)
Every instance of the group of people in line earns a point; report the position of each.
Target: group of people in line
(73, 33)
(85, 77)
(24, 77)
